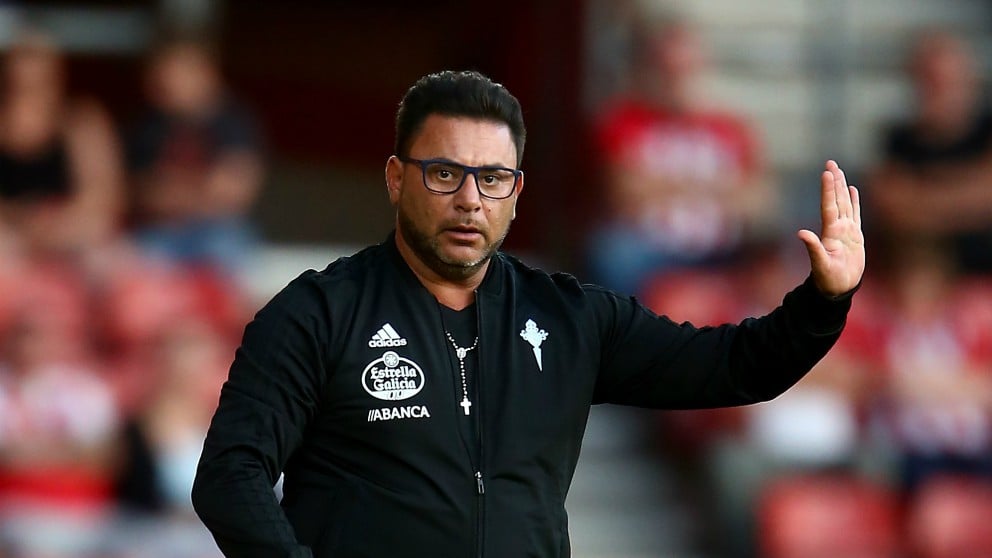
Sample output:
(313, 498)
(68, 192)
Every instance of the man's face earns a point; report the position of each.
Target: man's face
(942, 66)
(678, 55)
(453, 234)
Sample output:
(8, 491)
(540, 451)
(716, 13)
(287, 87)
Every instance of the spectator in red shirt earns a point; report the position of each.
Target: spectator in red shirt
(936, 354)
(685, 183)
(58, 418)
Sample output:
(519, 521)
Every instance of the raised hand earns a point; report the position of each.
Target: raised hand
(837, 256)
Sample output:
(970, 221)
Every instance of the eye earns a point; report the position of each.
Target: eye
(497, 177)
(441, 173)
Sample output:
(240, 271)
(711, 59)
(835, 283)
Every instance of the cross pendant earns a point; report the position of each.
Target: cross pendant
(465, 404)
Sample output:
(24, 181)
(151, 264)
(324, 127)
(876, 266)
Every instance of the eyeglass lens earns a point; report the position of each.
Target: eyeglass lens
(448, 177)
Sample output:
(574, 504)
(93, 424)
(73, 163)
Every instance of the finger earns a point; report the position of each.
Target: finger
(817, 253)
(856, 205)
(828, 198)
(833, 169)
(843, 195)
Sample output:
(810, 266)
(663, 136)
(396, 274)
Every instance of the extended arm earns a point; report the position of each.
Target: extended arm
(651, 361)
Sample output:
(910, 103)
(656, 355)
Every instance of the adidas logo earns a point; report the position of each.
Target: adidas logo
(386, 337)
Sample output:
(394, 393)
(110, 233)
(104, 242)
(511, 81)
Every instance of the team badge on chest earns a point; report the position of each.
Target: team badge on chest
(392, 377)
(534, 335)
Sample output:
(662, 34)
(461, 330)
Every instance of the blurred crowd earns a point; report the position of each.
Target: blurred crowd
(885, 449)
(121, 299)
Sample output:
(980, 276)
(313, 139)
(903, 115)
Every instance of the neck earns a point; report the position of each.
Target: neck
(455, 294)
(674, 96)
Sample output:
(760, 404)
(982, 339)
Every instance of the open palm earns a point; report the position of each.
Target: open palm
(837, 256)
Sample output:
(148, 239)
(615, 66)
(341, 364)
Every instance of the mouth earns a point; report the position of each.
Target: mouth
(463, 233)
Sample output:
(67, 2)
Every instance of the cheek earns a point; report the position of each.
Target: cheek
(499, 216)
(421, 208)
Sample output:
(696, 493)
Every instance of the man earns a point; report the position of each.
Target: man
(428, 396)
(685, 182)
(61, 184)
(196, 158)
(940, 158)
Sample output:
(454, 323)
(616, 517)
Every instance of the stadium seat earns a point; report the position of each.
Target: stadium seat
(951, 517)
(827, 516)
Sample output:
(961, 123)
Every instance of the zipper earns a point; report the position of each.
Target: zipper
(480, 485)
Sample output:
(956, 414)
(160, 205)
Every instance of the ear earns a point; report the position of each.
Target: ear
(394, 178)
(516, 196)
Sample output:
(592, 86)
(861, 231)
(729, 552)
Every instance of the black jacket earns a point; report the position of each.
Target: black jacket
(311, 391)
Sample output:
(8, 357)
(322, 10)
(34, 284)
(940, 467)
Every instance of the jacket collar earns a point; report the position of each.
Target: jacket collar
(492, 283)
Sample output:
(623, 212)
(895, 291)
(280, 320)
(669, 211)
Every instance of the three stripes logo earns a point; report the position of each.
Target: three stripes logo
(386, 337)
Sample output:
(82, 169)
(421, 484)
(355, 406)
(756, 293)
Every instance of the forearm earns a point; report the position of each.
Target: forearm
(966, 202)
(655, 363)
(245, 451)
(233, 497)
(771, 354)
(943, 200)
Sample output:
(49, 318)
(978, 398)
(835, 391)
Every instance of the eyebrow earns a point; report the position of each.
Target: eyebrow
(484, 166)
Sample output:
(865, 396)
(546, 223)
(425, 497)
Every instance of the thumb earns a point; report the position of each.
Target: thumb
(817, 253)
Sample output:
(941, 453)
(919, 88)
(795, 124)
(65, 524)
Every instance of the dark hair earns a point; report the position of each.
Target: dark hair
(449, 93)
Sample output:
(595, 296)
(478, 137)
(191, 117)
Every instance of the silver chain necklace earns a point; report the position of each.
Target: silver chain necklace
(461, 353)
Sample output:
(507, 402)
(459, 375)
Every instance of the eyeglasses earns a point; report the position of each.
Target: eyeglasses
(446, 177)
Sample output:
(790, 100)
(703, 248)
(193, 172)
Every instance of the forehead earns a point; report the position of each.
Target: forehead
(472, 141)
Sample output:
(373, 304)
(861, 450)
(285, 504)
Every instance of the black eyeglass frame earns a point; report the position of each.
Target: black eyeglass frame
(467, 170)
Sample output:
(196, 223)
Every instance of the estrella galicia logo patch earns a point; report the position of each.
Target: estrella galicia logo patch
(392, 377)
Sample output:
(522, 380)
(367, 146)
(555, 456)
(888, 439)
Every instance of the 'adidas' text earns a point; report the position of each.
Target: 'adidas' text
(386, 337)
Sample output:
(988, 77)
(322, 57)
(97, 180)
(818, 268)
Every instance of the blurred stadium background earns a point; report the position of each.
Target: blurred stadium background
(116, 324)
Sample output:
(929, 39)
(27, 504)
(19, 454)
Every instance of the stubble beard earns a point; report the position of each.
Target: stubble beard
(428, 249)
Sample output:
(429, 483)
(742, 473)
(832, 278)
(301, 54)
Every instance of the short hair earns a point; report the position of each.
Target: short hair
(467, 93)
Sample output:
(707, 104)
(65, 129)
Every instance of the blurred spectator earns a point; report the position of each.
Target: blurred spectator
(937, 351)
(196, 160)
(936, 177)
(60, 167)
(187, 365)
(685, 183)
(167, 334)
(58, 419)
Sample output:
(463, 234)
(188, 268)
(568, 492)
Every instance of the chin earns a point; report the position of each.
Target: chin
(463, 257)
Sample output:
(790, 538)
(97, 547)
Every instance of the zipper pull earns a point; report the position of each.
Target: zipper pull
(479, 484)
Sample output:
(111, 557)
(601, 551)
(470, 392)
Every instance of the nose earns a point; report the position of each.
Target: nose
(468, 198)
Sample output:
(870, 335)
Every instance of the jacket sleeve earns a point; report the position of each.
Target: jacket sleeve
(270, 394)
(650, 361)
